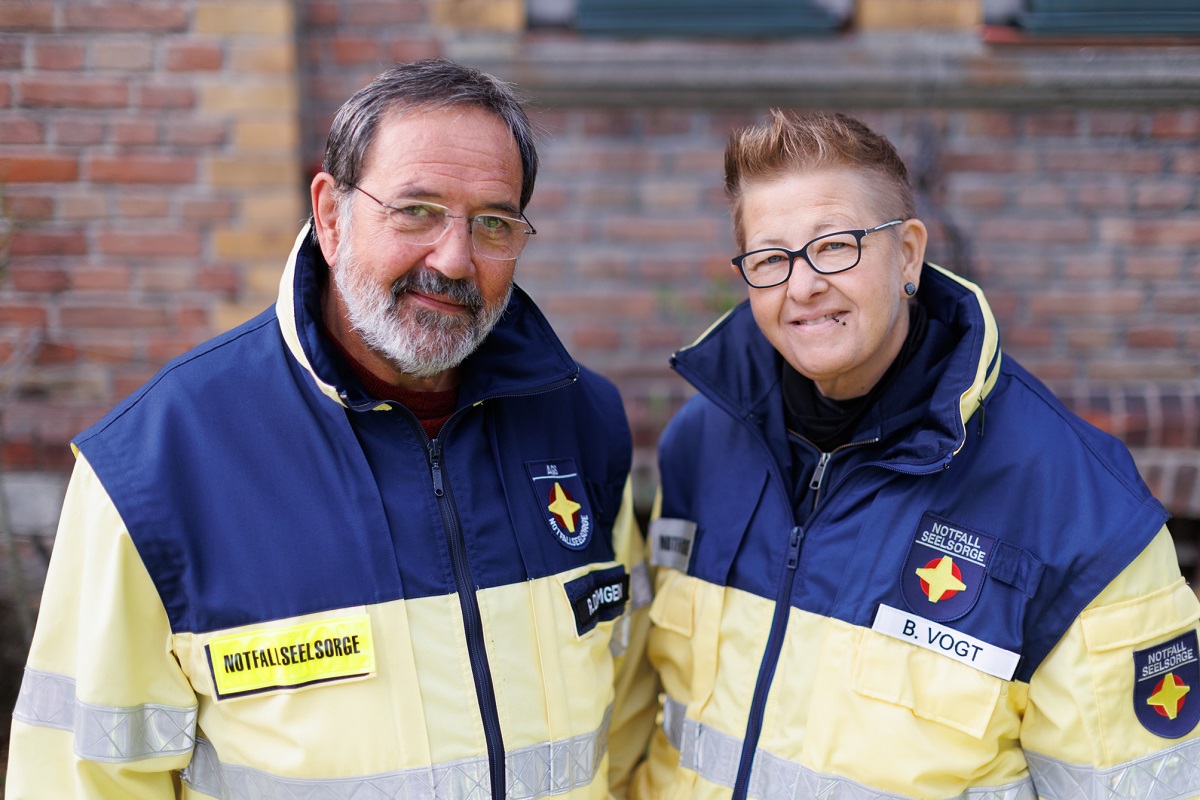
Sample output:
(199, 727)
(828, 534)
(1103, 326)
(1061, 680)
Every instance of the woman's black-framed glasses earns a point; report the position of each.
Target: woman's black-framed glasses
(828, 255)
(421, 222)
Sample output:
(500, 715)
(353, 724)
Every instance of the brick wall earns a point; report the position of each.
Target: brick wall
(150, 177)
(153, 159)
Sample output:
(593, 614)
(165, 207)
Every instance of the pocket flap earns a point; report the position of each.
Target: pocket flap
(1134, 622)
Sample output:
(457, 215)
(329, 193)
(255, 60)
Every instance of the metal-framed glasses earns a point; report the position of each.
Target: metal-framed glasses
(828, 255)
(420, 222)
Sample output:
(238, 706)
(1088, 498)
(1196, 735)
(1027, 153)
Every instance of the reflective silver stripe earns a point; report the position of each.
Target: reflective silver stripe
(104, 733)
(641, 593)
(1170, 773)
(714, 756)
(540, 770)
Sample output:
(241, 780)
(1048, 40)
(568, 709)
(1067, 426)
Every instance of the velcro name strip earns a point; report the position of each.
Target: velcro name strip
(976, 653)
(270, 659)
(671, 542)
(598, 596)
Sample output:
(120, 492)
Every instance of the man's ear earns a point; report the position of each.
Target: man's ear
(325, 215)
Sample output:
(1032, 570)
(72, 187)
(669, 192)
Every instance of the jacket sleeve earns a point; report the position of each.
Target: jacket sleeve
(1091, 718)
(636, 684)
(104, 709)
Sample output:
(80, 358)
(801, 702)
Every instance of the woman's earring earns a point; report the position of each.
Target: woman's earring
(910, 288)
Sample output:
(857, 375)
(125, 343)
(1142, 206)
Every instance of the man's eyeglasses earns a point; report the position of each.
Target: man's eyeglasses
(423, 223)
(828, 255)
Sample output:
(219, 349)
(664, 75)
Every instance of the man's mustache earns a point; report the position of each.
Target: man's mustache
(430, 281)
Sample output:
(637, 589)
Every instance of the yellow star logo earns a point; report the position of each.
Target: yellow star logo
(941, 579)
(563, 506)
(1167, 698)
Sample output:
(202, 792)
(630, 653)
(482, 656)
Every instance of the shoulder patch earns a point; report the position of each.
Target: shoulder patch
(945, 569)
(563, 500)
(1166, 679)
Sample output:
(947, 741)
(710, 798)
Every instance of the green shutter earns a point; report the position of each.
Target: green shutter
(1111, 16)
(704, 18)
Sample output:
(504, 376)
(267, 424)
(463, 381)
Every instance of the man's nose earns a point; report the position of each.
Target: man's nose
(452, 254)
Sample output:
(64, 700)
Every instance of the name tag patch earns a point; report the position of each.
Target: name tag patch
(953, 644)
(671, 542)
(598, 597)
(266, 660)
(945, 569)
(1164, 693)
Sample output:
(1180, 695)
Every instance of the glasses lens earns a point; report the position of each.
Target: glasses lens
(834, 253)
(766, 267)
(498, 237)
(420, 223)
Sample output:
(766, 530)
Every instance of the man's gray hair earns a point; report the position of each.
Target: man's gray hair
(422, 86)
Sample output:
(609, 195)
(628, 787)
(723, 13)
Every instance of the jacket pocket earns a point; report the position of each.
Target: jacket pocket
(931, 686)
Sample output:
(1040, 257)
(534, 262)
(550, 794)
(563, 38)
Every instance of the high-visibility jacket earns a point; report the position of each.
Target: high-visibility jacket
(267, 584)
(976, 597)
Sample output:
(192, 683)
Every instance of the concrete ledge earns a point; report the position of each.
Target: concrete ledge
(875, 69)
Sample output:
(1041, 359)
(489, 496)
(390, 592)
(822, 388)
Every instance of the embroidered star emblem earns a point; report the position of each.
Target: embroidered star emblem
(1168, 696)
(563, 507)
(941, 579)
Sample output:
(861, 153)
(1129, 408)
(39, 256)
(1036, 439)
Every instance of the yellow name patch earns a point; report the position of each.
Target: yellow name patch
(288, 658)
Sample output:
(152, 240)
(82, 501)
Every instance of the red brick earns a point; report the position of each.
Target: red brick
(661, 122)
(12, 53)
(1165, 195)
(193, 57)
(383, 13)
(1121, 124)
(219, 279)
(1143, 369)
(161, 349)
(102, 279)
(29, 279)
(1089, 265)
(163, 17)
(1164, 232)
(320, 14)
(192, 316)
(1067, 303)
(166, 97)
(143, 243)
(1051, 124)
(596, 338)
(1187, 163)
(58, 54)
(127, 132)
(196, 134)
(988, 124)
(1036, 231)
(1088, 159)
(639, 229)
(989, 160)
(141, 207)
(1175, 124)
(77, 130)
(20, 130)
(26, 15)
(30, 207)
(43, 242)
(122, 54)
(1043, 195)
(1156, 338)
(1167, 265)
(166, 279)
(405, 50)
(1086, 340)
(142, 169)
(24, 314)
(355, 50)
(113, 316)
(5, 94)
(86, 206)
(57, 353)
(76, 92)
(1178, 301)
(1103, 195)
(207, 209)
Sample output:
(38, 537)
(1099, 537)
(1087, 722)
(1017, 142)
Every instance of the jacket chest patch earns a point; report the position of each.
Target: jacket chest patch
(270, 659)
(1165, 696)
(598, 596)
(945, 569)
(563, 500)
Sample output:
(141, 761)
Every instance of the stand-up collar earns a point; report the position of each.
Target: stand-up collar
(522, 354)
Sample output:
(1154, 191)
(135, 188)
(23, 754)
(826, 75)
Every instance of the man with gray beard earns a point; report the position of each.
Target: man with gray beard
(377, 541)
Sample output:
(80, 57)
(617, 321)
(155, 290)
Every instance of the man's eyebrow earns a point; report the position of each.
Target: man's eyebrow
(415, 191)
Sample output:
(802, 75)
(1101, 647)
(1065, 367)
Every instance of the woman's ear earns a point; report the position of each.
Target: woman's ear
(913, 238)
(325, 214)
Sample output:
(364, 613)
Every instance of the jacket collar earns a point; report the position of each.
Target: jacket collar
(521, 355)
(735, 366)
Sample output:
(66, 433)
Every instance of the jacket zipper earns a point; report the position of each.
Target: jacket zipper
(766, 670)
(472, 622)
(464, 584)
